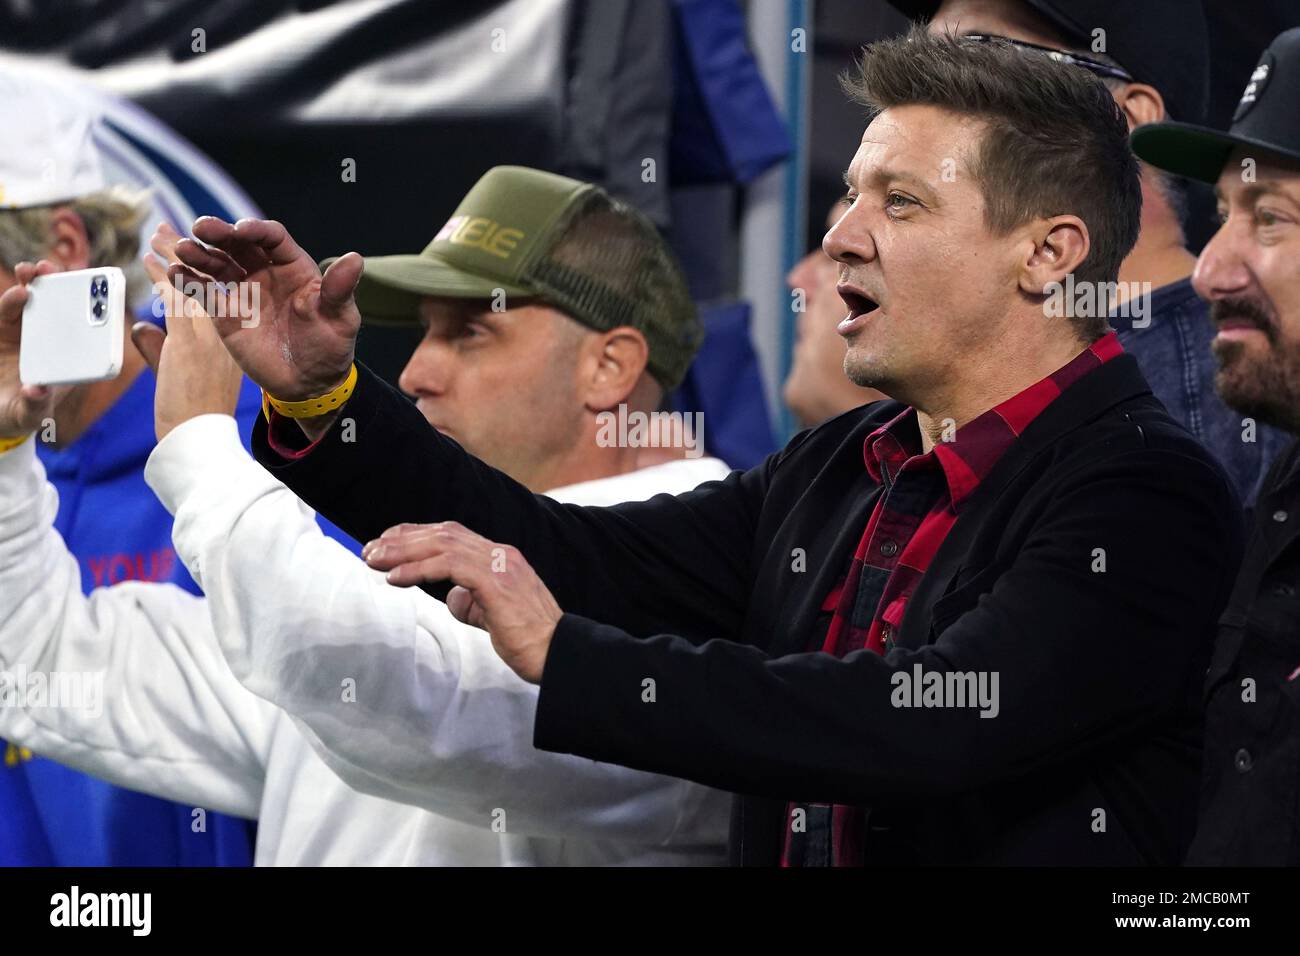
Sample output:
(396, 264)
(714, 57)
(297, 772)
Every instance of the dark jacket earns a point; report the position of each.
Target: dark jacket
(1087, 571)
(1250, 806)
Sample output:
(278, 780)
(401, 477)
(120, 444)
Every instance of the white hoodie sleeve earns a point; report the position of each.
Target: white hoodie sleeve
(397, 696)
(145, 699)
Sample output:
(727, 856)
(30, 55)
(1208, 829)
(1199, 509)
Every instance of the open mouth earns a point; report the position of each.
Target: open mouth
(860, 307)
(858, 304)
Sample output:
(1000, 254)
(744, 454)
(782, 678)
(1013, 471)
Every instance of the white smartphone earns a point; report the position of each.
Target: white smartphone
(74, 326)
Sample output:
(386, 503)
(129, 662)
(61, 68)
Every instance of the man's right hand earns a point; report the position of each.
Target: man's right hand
(22, 407)
(299, 340)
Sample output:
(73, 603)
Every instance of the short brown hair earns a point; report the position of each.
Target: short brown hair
(1055, 141)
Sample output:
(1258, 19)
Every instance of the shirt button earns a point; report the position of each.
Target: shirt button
(889, 548)
(1279, 516)
(1242, 761)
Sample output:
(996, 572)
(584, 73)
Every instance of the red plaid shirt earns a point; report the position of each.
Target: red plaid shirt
(923, 497)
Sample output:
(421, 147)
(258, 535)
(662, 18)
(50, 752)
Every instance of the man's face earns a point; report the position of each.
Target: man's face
(817, 388)
(923, 277)
(502, 384)
(1250, 274)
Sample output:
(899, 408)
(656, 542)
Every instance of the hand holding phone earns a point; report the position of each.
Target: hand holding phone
(22, 407)
(73, 327)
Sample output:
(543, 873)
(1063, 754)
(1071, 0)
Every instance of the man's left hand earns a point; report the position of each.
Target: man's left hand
(496, 588)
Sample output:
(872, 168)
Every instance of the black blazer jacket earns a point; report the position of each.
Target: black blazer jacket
(1086, 572)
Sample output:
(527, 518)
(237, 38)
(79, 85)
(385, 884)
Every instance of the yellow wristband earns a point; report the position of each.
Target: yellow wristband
(8, 443)
(313, 407)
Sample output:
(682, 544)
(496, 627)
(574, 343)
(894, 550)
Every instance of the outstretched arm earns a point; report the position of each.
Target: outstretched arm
(144, 698)
(814, 727)
(399, 698)
(681, 563)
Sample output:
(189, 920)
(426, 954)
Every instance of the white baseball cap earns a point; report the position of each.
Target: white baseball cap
(47, 151)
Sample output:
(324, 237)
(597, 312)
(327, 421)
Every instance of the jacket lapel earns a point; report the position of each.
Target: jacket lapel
(830, 549)
(827, 526)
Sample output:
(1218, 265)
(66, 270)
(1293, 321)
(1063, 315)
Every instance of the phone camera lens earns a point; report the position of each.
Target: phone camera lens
(98, 309)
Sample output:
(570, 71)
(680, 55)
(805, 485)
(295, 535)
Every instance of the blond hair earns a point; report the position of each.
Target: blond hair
(112, 219)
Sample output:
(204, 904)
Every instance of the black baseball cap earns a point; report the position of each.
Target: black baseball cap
(1267, 119)
(1163, 43)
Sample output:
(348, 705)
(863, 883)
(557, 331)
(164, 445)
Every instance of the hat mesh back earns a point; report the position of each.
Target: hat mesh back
(608, 267)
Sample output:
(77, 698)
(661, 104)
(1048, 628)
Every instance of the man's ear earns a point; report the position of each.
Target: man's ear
(618, 359)
(1060, 245)
(69, 244)
(1141, 104)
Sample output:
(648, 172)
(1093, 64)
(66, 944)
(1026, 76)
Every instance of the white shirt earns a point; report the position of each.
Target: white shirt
(303, 669)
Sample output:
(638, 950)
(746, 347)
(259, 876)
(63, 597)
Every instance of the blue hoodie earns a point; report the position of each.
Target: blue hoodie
(54, 816)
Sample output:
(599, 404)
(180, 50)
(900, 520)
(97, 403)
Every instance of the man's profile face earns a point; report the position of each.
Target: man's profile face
(923, 277)
(1249, 272)
(816, 388)
(502, 384)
